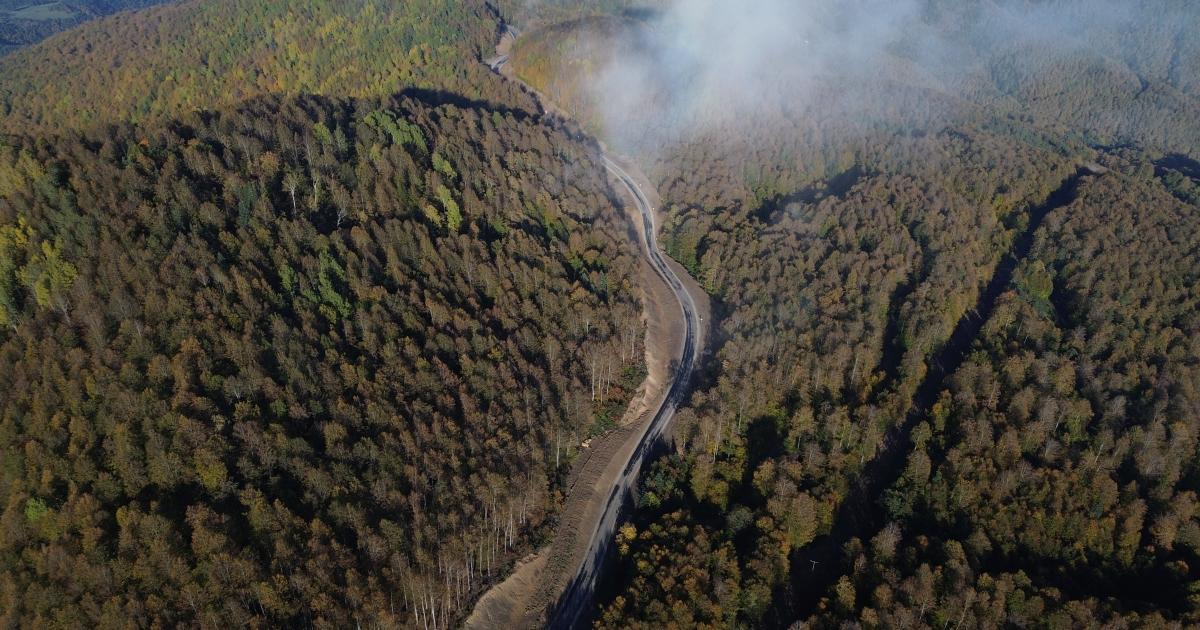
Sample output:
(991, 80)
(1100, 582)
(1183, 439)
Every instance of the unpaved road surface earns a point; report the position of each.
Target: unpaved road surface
(536, 595)
(554, 587)
(575, 601)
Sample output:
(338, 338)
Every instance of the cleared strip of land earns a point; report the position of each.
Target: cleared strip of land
(554, 586)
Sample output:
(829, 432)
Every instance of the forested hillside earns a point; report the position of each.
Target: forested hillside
(23, 22)
(1050, 477)
(304, 312)
(305, 361)
(873, 244)
(833, 299)
(1131, 78)
(1055, 479)
(200, 54)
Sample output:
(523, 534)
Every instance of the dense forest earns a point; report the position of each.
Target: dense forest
(1051, 475)
(272, 358)
(304, 315)
(304, 361)
(832, 298)
(890, 434)
(1055, 478)
(534, 15)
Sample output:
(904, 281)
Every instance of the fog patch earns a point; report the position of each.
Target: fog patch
(701, 66)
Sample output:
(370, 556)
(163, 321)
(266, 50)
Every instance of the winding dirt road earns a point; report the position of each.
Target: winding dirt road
(578, 597)
(555, 587)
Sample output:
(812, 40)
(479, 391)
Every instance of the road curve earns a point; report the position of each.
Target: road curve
(497, 62)
(579, 593)
(508, 35)
(578, 596)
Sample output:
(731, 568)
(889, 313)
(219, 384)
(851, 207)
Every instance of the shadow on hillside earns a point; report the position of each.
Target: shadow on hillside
(435, 98)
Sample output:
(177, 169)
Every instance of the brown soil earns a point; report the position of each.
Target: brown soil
(504, 606)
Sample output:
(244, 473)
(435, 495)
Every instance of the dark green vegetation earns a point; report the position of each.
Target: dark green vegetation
(1052, 476)
(301, 361)
(955, 382)
(272, 358)
(290, 359)
(1055, 480)
(23, 22)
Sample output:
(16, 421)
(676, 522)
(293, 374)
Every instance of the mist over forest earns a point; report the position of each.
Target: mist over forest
(681, 69)
(371, 313)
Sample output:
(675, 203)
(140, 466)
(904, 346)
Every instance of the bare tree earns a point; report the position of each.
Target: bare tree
(290, 183)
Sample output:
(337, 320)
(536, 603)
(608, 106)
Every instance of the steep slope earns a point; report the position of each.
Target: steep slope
(300, 362)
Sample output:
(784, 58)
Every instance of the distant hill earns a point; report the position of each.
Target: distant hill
(1129, 79)
(199, 54)
(23, 22)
